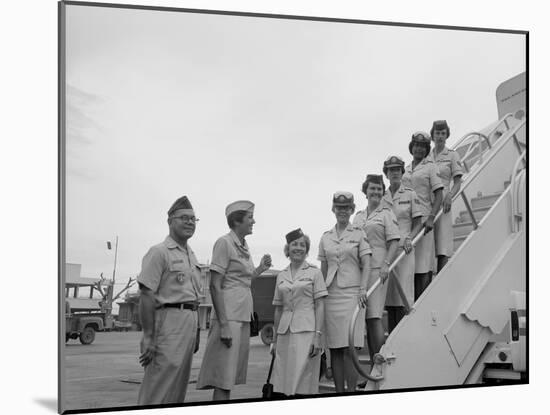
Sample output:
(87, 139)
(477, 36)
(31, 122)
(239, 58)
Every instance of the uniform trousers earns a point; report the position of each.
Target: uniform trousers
(167, 375)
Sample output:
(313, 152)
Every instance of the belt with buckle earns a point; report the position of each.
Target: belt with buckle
(181, 306)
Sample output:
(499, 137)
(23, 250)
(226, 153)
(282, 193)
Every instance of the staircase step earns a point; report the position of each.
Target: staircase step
(463, 229)
(326, 386)
(457, 240)
(484, 201)
(478, 214)
(507, 374)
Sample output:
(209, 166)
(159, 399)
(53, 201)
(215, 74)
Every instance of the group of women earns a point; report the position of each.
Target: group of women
(313, 307)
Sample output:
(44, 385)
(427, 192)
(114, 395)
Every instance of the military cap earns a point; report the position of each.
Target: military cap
(295, 234)
(393, 161)
(420, 137)
(375, 178)
(440, 125)
(245, 205)
(182, 203)
(341, 198)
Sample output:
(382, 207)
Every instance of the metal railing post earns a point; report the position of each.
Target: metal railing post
(469, 209)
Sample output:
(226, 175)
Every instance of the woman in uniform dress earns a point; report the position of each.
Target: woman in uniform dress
(380, 225)
(421, 175)
(345, 263)
(450, 168)
(405, 205)
(225, 358)
(298, 324)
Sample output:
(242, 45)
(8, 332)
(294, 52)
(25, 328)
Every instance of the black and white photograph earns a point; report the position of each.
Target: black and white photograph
(275, 207)
(266, 207)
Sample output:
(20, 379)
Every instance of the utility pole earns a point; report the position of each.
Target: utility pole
(116, 252)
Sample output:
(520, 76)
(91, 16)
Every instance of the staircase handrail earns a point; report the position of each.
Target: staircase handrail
(503, 119)
(353, 352)
(516, 216)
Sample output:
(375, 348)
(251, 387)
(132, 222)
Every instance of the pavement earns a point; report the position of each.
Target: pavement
(106, 373)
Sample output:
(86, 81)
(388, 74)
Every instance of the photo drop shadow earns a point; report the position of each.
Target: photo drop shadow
(48, 403)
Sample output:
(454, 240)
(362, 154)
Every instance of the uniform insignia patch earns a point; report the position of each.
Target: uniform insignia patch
(177, 261)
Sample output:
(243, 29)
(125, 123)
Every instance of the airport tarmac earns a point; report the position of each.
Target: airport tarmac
(107, 374)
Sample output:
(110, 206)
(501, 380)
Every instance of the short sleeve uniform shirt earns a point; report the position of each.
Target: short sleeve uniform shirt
(449, 166)
(171, 271)
(296, 296)
(424, 180)
(405, 205)
(380, 227)
(343, 255)
(232, 260)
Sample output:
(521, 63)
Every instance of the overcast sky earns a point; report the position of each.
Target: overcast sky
(220, 108)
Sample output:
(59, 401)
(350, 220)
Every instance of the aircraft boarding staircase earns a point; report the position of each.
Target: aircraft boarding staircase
(459, 327)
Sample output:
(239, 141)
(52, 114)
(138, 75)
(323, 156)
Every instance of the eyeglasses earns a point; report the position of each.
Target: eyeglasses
(185, 218)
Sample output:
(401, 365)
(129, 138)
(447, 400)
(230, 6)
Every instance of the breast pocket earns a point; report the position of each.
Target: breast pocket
(403, 210)
(285, 290)
(444, 168)
(179, 273)
(305, 287)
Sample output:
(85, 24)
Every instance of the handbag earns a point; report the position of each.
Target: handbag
(267, 389)
(254, 324)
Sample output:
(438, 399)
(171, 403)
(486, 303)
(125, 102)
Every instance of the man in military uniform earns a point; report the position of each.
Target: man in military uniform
(169, 297)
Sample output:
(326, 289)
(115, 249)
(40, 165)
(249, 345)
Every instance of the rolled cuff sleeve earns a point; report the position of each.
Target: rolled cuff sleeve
(322, 255)
(392, 227)
(220, 257)
(218, 269)
(277, 298)
(319, 287)
(364, 247)
(152, 266)
(456, 167)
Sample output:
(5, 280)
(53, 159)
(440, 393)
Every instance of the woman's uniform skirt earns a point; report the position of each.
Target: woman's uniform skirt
(339, 307)
(294, 372)
(222, 366)
(424, 253)
(444, 234)
(377, 300)
(404, 274)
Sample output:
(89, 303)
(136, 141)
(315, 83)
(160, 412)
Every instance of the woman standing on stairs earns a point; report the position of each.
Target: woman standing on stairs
(404, 203)
(422, 176)
(380, 225)
(450, 168)
(345, 263)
